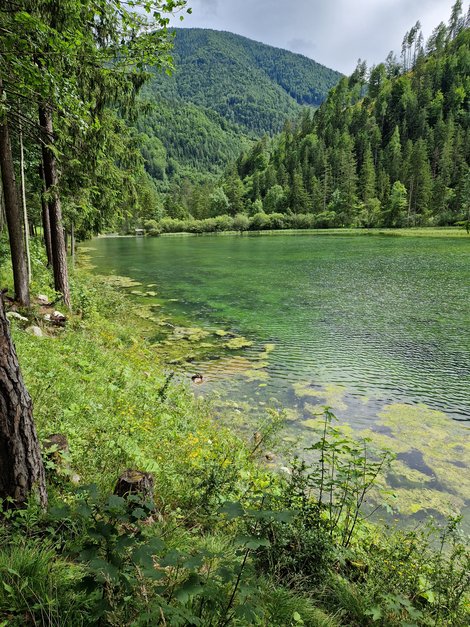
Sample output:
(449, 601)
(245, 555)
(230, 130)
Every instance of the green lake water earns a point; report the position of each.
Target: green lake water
(376, 327)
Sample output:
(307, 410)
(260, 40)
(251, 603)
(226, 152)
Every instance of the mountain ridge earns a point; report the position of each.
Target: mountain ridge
(233, 89)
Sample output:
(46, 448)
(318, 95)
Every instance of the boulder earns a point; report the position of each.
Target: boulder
(36, 331)
(58, 319)
(42, 299)
(16, 316)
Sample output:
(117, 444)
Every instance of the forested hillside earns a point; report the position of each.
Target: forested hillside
(225, 90)
(389, 147)
(249, 83)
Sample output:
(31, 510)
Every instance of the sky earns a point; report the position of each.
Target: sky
(335, 33)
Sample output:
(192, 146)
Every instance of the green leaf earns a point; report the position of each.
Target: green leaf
(116, 503)
(104, 569)
(375, 613)
(190, 588)
(139, 514)
(8, 588)
(232, 510)
(251, 542)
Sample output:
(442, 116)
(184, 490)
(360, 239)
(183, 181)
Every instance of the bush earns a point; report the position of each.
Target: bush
(301, 221)
(325, 220)
(278, 221)
(152, 228)
(241, 222)
(259, 222)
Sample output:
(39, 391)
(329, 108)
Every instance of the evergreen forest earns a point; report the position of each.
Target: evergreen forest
(388, 148)
(224, 93)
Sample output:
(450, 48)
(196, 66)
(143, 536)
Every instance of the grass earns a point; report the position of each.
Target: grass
(451, 231)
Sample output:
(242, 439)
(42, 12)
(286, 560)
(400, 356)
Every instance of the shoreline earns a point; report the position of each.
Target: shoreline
(436, 232)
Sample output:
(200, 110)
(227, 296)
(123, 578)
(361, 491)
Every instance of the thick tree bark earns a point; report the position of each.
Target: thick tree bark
(46, 225)
(13, 214)
(59, 253)
(21, 467)
(135, 482)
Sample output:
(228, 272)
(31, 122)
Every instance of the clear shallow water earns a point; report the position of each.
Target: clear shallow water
(376, 327)
(383, 316)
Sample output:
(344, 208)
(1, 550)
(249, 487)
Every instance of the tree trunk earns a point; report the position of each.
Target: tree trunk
(13, 214)
(25, 210)
(72, 243)
(135, 482)
(21, 467)
(59, 253)
(46, 225)
(2, 208)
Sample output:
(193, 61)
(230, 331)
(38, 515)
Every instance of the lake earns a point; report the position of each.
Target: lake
(377, 328)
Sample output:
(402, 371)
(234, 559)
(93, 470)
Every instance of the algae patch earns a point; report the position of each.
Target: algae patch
(236, 343)
(330, 395)
(432, 452)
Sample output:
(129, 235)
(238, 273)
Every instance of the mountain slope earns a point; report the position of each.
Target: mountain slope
(225, 89)
(387, 148)
(249, 83)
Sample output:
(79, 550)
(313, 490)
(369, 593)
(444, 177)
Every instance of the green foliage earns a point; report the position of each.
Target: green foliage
(247, 83)
(385, 149)
(225, 92)
(39, 587)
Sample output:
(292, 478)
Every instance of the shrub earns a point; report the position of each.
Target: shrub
(241, 222)
(278, 220)
(259, 222)
(152, 228)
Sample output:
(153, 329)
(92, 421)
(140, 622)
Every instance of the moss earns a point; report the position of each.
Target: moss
(193, 334)
(267, 350)
(236, 343)
(122, 281)
(411, 501)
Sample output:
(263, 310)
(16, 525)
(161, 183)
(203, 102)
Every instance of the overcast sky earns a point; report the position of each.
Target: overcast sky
(333, 32)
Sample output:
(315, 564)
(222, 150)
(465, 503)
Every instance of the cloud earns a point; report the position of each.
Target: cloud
(302, 46)
(205, 7)
(333, 32)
